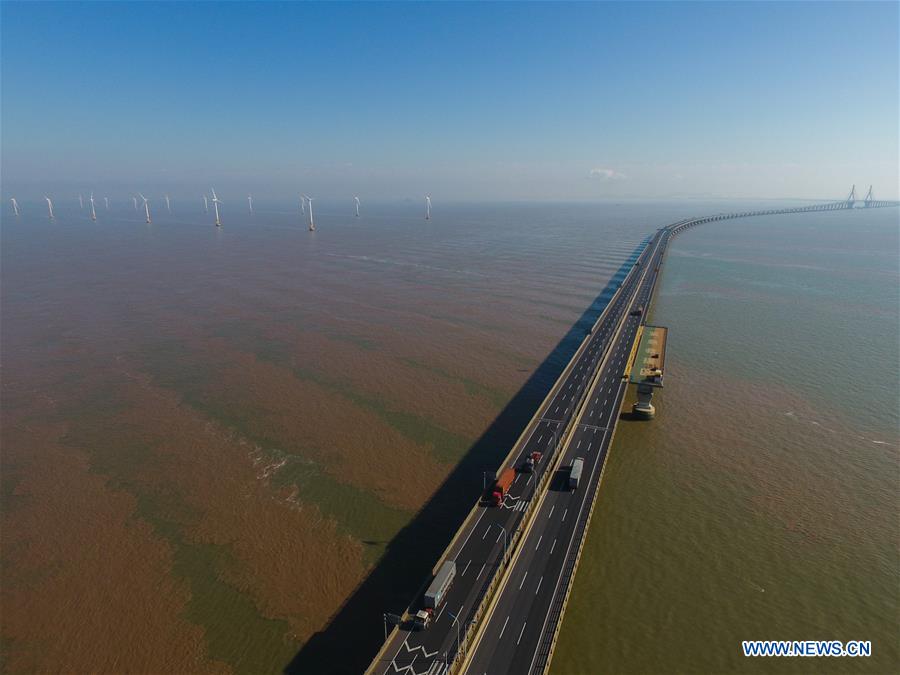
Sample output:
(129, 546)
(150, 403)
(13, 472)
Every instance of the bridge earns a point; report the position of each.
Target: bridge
(515, 562)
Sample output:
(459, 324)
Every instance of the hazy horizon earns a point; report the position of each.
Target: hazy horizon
(504, 102)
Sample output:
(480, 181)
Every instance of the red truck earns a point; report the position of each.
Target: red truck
(501, 485)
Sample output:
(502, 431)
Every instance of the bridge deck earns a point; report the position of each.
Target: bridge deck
(504, 616)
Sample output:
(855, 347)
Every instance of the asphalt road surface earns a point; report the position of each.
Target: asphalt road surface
(516, 635)
(520, 624)
(479, 550)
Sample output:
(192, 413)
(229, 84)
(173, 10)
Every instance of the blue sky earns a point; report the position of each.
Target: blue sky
(467, 101)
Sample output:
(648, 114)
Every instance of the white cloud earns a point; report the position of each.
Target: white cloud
(605, 174)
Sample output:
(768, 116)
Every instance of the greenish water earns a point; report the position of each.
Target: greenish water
(762, 503)
(340, 378)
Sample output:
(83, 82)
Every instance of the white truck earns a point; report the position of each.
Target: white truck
(575, 472)
(435, 594)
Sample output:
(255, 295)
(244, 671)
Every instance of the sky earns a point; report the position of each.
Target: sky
(505, 101)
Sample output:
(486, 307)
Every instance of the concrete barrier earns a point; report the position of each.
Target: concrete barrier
(489, 602)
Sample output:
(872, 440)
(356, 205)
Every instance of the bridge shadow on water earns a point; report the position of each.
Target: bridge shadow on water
(355, 633)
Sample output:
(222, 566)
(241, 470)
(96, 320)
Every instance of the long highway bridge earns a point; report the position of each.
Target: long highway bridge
(515, 562)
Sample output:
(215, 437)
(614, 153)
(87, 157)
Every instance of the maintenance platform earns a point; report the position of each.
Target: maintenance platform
(648, 367)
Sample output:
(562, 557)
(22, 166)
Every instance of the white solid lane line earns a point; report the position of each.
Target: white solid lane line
(504, 628)
(520, 632)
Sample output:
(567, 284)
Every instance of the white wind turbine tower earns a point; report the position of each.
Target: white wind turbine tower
(49, 207)
(15, 205)
(81, 201)
(146, 207)
(250, 201)
(312, 224)
(205, 204)
(356, 204)
(427, 207)
(168, 204)
(216, 202)
(106, 201)
(93, 210)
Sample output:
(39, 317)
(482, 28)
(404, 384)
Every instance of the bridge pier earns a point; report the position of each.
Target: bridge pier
(643, 408)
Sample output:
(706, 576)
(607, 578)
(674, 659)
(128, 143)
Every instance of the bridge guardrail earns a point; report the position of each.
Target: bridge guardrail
(485, 597)
(557, 609)
(486, 600)
(490, 583)
(515, 448)
(573, 557)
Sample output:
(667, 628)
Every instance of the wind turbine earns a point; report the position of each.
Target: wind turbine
(250, 201)
(205, 204)
(356, 203)
(312, 224)
(168, 205)
(427, 207)
(106, 201)
(15, 206)
(93, 210)
(134, 199)
(146, 207)
(216, 201)
(49, 207)
(81, 201)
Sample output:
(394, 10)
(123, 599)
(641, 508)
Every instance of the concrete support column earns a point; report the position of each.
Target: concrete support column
(643, 408)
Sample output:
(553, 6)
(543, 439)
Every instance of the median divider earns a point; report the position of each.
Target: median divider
(539, 488)
(489, 601)
(489, 598)
(585, 527)
(581, 540)
(516, 447)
